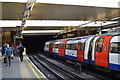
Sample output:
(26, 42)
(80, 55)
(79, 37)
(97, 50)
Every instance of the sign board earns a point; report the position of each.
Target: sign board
(18, 37)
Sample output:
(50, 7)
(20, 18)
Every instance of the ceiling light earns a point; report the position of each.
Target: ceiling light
(98, 3)
(40, 31)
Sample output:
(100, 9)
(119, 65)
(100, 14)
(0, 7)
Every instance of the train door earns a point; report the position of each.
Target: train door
(51, 47)
(102, 50)
(62, 47)
(90, 51)
(80, 51)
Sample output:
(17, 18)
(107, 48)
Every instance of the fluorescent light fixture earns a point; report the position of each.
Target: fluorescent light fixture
(53, 23)
(60, 23)
(41, 31)
(115, 18)
(105, 29)
(20, 1)
(98, 3)
(10, 23)
(99, 23)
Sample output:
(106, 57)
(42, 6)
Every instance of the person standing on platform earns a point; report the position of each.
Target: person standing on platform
(3, 51)
(21, 50)
(8, 53)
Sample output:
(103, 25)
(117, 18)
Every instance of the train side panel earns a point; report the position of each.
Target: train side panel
(55, 48)
(114, 53)
(80, 51)
(46, 48)
(71, 49)
(102, 51)
(62, 47)
(51, 47)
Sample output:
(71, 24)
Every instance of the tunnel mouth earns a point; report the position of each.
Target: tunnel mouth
(35, 44)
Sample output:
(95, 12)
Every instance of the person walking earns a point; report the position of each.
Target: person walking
(3, 51)
(3, 48)
(21, 50)
(8, 53)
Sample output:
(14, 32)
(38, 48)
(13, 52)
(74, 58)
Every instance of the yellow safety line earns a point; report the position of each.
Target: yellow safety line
(33, 70)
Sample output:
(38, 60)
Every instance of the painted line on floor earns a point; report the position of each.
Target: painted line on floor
(37, 68)
(33, 70)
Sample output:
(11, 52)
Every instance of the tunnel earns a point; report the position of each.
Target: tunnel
(35, 44)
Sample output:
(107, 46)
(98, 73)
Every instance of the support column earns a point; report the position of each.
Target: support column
(0, 42)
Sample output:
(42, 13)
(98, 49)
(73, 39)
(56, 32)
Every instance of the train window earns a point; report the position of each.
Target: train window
(72, 46)
(55, 45)
(61, 46)
(115, 47)
(46, 46)
(91, 45)
(82, 46)
(76, 46)
(68, 46)
(99, 45)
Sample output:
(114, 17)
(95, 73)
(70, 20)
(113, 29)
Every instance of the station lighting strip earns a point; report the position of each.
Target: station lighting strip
(10, 23)
(49, 23)
(40, 31)
(53, 23)
(96, 3)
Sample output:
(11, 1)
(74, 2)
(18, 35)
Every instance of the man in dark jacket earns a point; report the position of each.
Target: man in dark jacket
(8, 52)
(21, 50)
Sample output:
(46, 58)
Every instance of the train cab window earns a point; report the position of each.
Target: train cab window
(47, 46)
(115, 47)
(61, 46)
(99, 45)
(82, 46)
(55, 46)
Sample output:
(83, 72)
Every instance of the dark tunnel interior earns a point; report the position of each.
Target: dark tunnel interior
(35, 44)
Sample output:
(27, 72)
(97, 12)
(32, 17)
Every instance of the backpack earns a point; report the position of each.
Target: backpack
(21, 48)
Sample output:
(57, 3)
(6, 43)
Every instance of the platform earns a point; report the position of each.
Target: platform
(21, 70)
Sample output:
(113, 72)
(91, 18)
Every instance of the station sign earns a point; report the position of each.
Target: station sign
(18, 36)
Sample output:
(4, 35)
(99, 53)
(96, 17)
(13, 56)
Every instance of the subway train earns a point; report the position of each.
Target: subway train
(97, 50)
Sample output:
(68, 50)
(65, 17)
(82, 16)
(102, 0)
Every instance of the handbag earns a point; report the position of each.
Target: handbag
(12, 56)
